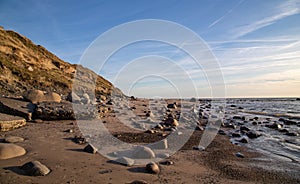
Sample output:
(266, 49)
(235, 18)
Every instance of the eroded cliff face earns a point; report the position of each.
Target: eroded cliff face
(24, 66)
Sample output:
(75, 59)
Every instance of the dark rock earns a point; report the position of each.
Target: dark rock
(221, 132)
(230, 125)
(234, 134)
(138, 182)
(35, 168)
(237, 117)
(253, 134)
(243, 140)
(292, 134)
(290, 122)
(283, 130)
(240, 155)
(244, 129)
(199, 148)
(90, 149)
(254, 123)
(275, 126)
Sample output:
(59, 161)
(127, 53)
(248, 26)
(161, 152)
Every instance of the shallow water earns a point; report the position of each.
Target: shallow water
(272, 143)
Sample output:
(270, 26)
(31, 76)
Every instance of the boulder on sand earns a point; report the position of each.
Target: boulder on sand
(152, 168)
(8, 151)
(35, 168)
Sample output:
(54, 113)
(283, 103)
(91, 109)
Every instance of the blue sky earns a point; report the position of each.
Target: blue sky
(257, 43)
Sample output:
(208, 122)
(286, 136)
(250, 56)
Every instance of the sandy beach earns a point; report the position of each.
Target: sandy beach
(52, 143)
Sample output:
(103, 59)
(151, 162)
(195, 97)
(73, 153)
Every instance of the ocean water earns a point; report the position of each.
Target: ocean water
(259, 114)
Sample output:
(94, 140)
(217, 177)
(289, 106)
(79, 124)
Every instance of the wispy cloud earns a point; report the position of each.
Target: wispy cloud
(286, 9)
(225, 15)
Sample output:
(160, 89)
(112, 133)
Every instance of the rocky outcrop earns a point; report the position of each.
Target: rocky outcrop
(64, 111)
(16, 107)
(8, 122)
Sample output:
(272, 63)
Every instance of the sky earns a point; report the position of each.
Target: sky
(256, 44)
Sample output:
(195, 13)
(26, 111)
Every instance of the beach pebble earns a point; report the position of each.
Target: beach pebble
(69, 131)
(152, 168)
(13, 139)
(240, 155)
(200, 148)
(244, 129)
(221, 132)
(8, 150)
(143, 152)
(167, 162)
(90, 149)
(35, 168)
(125, 161)
(138, 182)
(275, 126)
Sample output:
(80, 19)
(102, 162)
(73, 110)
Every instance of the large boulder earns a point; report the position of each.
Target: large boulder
(37, 96)
(10, 151)
(35, 168)
(52, 97)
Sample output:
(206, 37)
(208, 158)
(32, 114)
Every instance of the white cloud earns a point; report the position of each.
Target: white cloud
(286, 9)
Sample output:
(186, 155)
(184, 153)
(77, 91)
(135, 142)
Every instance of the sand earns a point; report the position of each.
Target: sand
(50, 143)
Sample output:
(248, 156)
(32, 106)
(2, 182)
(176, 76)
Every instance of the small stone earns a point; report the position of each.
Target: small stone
(150, 131)
(138, 182)
(200, 148)
(35, 168)
(69, 131)
(8, 150)
(152, 168)
(240, 155)
(221, 132)
(125, 161)
(13, 139)
(253, 134)
(167, 162)
(90, 149)
(245, 129)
